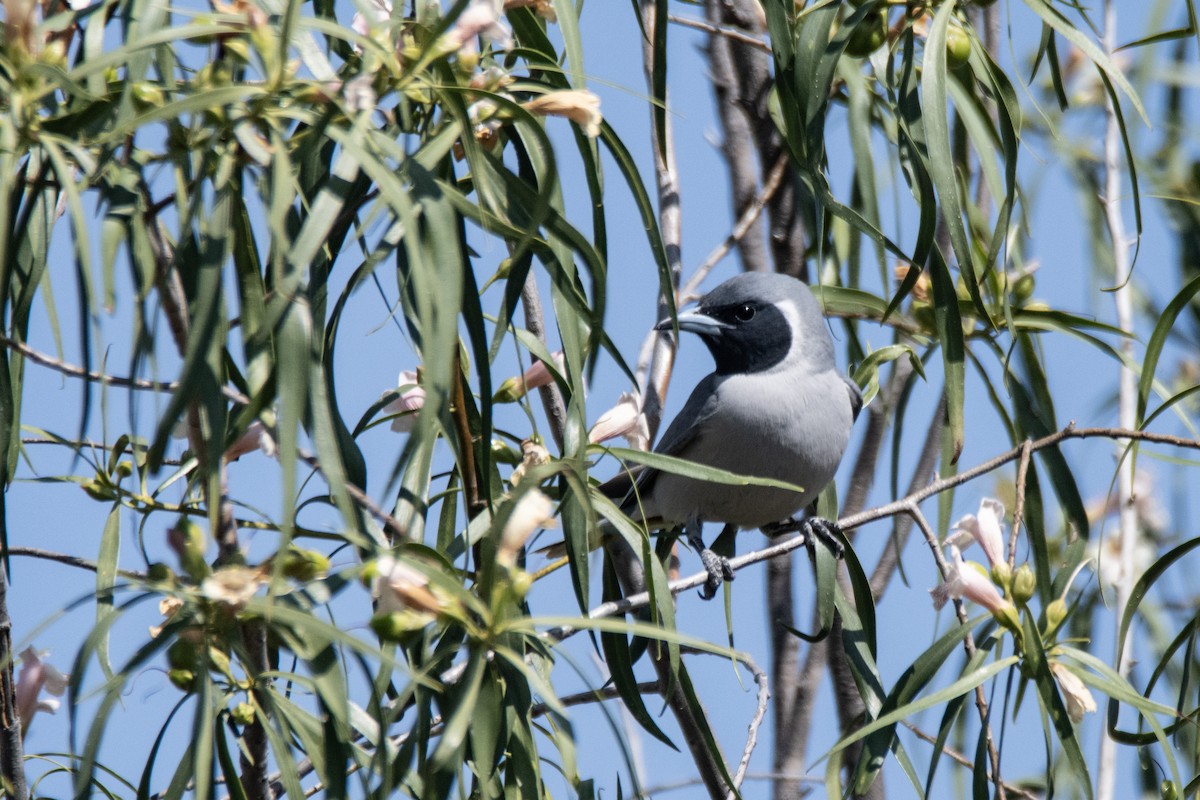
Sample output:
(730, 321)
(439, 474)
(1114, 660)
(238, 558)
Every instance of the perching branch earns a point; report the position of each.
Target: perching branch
(901, 506)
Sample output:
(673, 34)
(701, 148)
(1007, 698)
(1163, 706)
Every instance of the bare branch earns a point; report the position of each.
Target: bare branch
(1019, 503)
(71, 370)
(720, 30)
(12, 750)
(967, 762)
(1127, 525)
(552, 401)
(743, 226)
(902, 506)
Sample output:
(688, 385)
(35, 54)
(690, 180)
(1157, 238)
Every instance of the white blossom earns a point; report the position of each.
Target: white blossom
(1075, 694)
(37, 676)
(625, 419)
(986, 528)
(232, 586)
(532, 511)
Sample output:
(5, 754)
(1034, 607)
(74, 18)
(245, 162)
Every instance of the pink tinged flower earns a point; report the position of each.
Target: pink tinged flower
(986, 528)
(624, 419)
(967, 580)
(232, 586)
(380, 11)
(37, 676)
(406, 406)
(533, 510)
(479, 19)
(1075, 694)
(578, 105)
(536, 376)
(397, 586)
(256, 437)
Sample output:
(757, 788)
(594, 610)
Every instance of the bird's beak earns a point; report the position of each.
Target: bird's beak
(694, 321)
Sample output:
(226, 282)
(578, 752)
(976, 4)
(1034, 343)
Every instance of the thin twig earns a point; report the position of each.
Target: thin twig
(719, 30)
(743, 226)
(70, 561)
(552, 402)
(641, 599)
(392, 526)
(962, 760)
(760, 712)
(45, 360)
(1019, 504)
(981, 703)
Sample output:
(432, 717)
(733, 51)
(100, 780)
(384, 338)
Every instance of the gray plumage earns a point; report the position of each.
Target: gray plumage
(775, 407)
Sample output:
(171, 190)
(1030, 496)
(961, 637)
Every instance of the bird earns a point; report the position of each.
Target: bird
(775, 406)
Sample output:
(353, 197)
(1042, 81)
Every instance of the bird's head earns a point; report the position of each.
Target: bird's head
(760, 322)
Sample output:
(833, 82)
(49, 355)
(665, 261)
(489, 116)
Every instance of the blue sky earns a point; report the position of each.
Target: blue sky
(372, 352)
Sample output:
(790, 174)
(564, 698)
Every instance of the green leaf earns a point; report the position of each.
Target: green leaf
(1158, 339)
(106, 579)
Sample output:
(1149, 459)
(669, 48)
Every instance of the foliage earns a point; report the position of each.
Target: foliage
(239, 181)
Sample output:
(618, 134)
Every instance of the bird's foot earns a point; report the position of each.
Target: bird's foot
(718, 569)
(827, 532)
(716, 566)
(814, 529)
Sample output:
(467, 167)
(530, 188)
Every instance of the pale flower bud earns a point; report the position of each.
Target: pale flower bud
(536, 376)
(256, 437)
(380, 12)
(1002, 574)
(1075, 694)
(478, 19)
(398, 586)
(578, 105)
(624, 419)
(359, 94)
(406, 406)
(533, 510)
(168, 606)
(232, 586)
(1056, 614)
(1023, 584)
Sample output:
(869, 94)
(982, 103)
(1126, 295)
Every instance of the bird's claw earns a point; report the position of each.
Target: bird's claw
(814, 529)
(827, 531)
(718, 569)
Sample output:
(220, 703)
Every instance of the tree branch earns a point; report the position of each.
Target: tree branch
(1127, 525)
(552, 402)
(902, 506)
(12, 750)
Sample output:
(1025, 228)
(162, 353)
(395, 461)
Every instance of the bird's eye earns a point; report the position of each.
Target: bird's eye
(744, 313)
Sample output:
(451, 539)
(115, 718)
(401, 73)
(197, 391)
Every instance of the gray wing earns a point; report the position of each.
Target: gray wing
(680, 433)
(856, 402)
